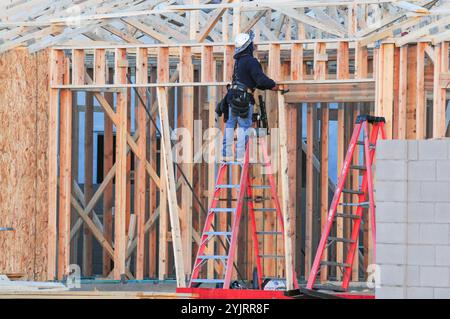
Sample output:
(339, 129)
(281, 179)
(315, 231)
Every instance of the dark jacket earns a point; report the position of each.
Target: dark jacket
(249, 71)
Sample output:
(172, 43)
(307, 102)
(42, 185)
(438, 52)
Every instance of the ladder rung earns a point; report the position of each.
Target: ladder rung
(259, 199)
(269, 233)
(209, 281)
(333, 263)
(233, 163)
(342, 240)
(222, 210)
(363, 204)
(259, 163)
(352, 191)
(218, 233)
(362, 143)
(212, 257)
(348, 216)
(271, 256)
(260, 186)
(265, 209)
(228, 186)
(358, 167)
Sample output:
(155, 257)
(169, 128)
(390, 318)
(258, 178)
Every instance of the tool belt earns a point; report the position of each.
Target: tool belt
(241, 97)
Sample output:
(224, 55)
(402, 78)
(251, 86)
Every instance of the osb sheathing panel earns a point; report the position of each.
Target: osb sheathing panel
(23, 162)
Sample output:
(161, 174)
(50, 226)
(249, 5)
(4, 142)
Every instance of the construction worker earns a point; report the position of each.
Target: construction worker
(247, 76)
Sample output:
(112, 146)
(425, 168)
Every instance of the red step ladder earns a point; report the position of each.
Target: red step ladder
(230, 237)
(365, 200)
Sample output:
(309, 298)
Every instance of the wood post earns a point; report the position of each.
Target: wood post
(187, 122)
(65, 176)
(320, 71)
(101, 73)
(402, 96)
(171, 187)
(56, 77)
(288, 233)
(140, 186)
(421, 114)
(439, 102)
(342, 73)
(163, 76)
(274, 71)
(120, 238)
(385, 86)
(294, 143)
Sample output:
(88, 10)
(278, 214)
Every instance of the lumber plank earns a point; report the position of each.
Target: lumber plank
(403, 89)
(420, 92)
(342, 73)
(186, 121)
(309, 187)
(274, 71)
(171, 188)
(65, 177)
(411, 94)
(56, 77)
(439, 102)
(108, 152)
(121, 172)
(320, 70)
(163, 76)
(288, 233)
(140, 170)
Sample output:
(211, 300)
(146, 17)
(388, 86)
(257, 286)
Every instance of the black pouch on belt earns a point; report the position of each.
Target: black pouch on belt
(240, 99)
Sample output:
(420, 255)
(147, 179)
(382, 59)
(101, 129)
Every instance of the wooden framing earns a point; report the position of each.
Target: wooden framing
(318, 58)
(121, 162)
(65, 177)
(56, 77)
(439, 102)
(162, 75)
(320, 70)
(385, 91)
(187, 121)
(140, 175)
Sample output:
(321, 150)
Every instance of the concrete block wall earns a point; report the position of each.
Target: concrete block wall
(412, 191)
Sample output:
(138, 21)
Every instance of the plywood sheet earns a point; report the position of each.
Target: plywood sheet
(23, 162)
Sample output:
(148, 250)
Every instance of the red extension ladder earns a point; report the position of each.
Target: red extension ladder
(230, 236)
(365, 200)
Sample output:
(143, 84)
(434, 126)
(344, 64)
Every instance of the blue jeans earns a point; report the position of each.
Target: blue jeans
(242, 137)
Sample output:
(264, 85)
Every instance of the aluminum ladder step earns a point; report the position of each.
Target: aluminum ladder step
(271, 256)
(362, 204)
(269, 233)
(348, 216)
(361, 143)
(352, 191)
(265, 209)
(228, 186)
(259, 199)
(358, 167)
(333, 263)
(218, 233)
(233, 163)
(342, 240)
(222, 210)
(209, 281)
(215, 257)
(260, 186)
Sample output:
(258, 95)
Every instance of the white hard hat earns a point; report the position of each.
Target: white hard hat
(243, 40)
